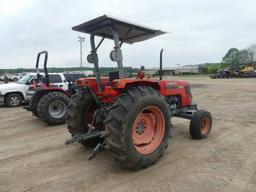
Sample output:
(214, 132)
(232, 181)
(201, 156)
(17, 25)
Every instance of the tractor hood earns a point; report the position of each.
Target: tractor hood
(128, 32)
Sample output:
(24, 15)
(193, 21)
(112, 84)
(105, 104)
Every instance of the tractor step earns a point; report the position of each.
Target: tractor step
(83, 137)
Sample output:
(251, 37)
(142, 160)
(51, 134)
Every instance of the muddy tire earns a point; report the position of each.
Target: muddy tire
(82, 105)
(13, 100)
(137, 127)
(200, 124)
(52, 106)
(33, 105)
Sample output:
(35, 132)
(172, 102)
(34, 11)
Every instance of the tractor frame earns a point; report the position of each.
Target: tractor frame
(111, 124)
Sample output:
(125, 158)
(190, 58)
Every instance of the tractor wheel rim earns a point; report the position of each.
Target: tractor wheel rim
(14, 100)
(57, 109)
(148, 130)
(205, 126)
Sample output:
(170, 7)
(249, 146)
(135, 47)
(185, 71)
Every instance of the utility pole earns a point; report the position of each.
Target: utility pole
(178, 70)
(81, 40)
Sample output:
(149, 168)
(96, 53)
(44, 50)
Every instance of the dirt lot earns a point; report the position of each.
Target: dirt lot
(33, 156)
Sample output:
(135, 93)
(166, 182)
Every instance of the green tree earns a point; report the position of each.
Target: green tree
(251, 50)
(213, 67)
(244, 57)
(232, 57)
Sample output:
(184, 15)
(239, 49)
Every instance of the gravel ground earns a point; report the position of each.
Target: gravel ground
(33, 156)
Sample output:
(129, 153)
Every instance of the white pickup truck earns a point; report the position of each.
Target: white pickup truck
(13, 94)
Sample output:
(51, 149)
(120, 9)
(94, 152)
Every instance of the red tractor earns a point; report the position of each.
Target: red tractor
(129, 117)
(50, 100)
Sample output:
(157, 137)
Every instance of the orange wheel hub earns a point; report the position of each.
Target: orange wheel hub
(148, 130)
(205, 125)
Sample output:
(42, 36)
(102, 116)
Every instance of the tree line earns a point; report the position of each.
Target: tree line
(238, 57)
(104, 70)
(233, 58)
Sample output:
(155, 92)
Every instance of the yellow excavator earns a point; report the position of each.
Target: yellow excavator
(248, 69)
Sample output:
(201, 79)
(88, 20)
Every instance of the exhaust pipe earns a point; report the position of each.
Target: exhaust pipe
(161, 65)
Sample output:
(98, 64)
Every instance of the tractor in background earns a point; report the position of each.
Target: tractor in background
(233, 72)
(129, 117)
(50, 100)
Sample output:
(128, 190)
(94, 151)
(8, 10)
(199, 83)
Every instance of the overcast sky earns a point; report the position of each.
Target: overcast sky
(200, 30)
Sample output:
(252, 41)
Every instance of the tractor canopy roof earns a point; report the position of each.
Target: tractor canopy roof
(128, 32)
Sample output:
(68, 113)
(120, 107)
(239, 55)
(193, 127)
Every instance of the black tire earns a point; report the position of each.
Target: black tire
(119, 122)
(33, 104)
(78, 109)
(200, 118)
(13, 100)
(44, 105)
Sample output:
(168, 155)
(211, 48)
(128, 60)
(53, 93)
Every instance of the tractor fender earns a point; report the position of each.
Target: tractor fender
(42, 92)
(152, 83)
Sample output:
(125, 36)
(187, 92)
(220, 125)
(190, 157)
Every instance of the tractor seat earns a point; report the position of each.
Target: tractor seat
(114, 75)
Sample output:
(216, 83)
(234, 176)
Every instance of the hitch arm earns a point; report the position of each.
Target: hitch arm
(99, 148)
(83, 137)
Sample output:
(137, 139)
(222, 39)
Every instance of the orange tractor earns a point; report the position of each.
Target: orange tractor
(129, 117)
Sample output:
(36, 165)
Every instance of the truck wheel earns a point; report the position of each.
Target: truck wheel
(52, 106)
(137, 127)
(13, 100)
(200, 124)
(80, 115)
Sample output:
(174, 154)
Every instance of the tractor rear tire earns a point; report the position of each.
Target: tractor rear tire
(80, 108)
(200, 124)
(52, 106)
(137, 127)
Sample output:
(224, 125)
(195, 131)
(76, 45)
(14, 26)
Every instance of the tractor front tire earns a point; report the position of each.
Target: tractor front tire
(80, 114)
(200, 124)
(33, 104)
(137, 127)
(51, 108)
